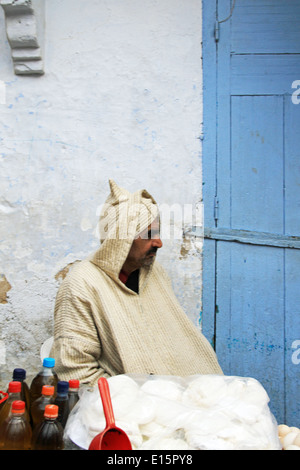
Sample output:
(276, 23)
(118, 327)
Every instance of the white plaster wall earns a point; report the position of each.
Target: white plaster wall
(121, 98)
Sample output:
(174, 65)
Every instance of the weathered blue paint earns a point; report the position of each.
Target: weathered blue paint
(251, 169)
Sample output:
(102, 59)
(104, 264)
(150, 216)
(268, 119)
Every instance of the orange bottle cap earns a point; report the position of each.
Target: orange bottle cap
(73, 383)
(18, 406)
(14, 387)
(51, 411)
(48, 390)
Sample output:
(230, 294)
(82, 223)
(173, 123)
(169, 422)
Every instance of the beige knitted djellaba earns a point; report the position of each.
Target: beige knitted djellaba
(103, 328)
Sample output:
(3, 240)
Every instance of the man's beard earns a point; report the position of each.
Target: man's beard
(149, 257)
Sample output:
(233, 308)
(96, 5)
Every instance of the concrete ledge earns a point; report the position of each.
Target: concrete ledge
(24, 21)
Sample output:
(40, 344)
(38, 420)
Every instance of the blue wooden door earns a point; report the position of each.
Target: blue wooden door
(251, 193)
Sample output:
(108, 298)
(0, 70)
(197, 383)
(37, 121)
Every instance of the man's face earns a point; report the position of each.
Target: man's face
(144, 248)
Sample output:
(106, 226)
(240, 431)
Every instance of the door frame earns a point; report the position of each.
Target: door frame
(209, 165)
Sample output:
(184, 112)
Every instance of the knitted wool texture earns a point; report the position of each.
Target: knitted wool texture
(102, 328)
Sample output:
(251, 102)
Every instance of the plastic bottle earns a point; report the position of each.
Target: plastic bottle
(73, 393)
(19, 375)
(39, 405)
(48, 435)
(46, 376)
(14, 393)
(15, 431)
(62, 401)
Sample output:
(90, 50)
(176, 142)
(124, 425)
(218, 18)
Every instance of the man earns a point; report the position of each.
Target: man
(116, 312)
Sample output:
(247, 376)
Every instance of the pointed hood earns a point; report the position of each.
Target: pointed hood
(123, 217)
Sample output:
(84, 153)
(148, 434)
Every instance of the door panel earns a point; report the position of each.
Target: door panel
(265, 27)
(263, 74)
(250, 318)
(292, 336)
(292, 167)
(257, 163)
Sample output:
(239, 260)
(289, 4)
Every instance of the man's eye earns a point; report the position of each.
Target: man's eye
(153, 235)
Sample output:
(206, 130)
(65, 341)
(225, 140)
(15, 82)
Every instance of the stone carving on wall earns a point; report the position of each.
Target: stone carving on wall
(24, 28)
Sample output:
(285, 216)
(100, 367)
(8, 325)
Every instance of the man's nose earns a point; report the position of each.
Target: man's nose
(157, 243)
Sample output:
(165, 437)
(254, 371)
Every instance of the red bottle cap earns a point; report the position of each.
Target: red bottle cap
(14, 387)
(18, 406)
(74, 383)
(51, 411)
(48, 390)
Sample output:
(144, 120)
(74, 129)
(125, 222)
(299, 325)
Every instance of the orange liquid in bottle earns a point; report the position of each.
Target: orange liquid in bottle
(19, 375)
(14, 393)
(15, 430)
(46, 376)
(39, 405)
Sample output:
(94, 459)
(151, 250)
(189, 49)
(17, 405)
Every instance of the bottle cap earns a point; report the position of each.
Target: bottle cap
(18, 406)
(62, 386)
(19, 374)
(49, 362)
(74, 383)
(48, 390)
(14, 387)
(51, 411)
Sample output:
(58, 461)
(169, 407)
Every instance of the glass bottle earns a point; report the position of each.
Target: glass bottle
(46, 376)
(39, 405)
(62, 401)
(48, 435)
(15, 430)
(73, 393)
